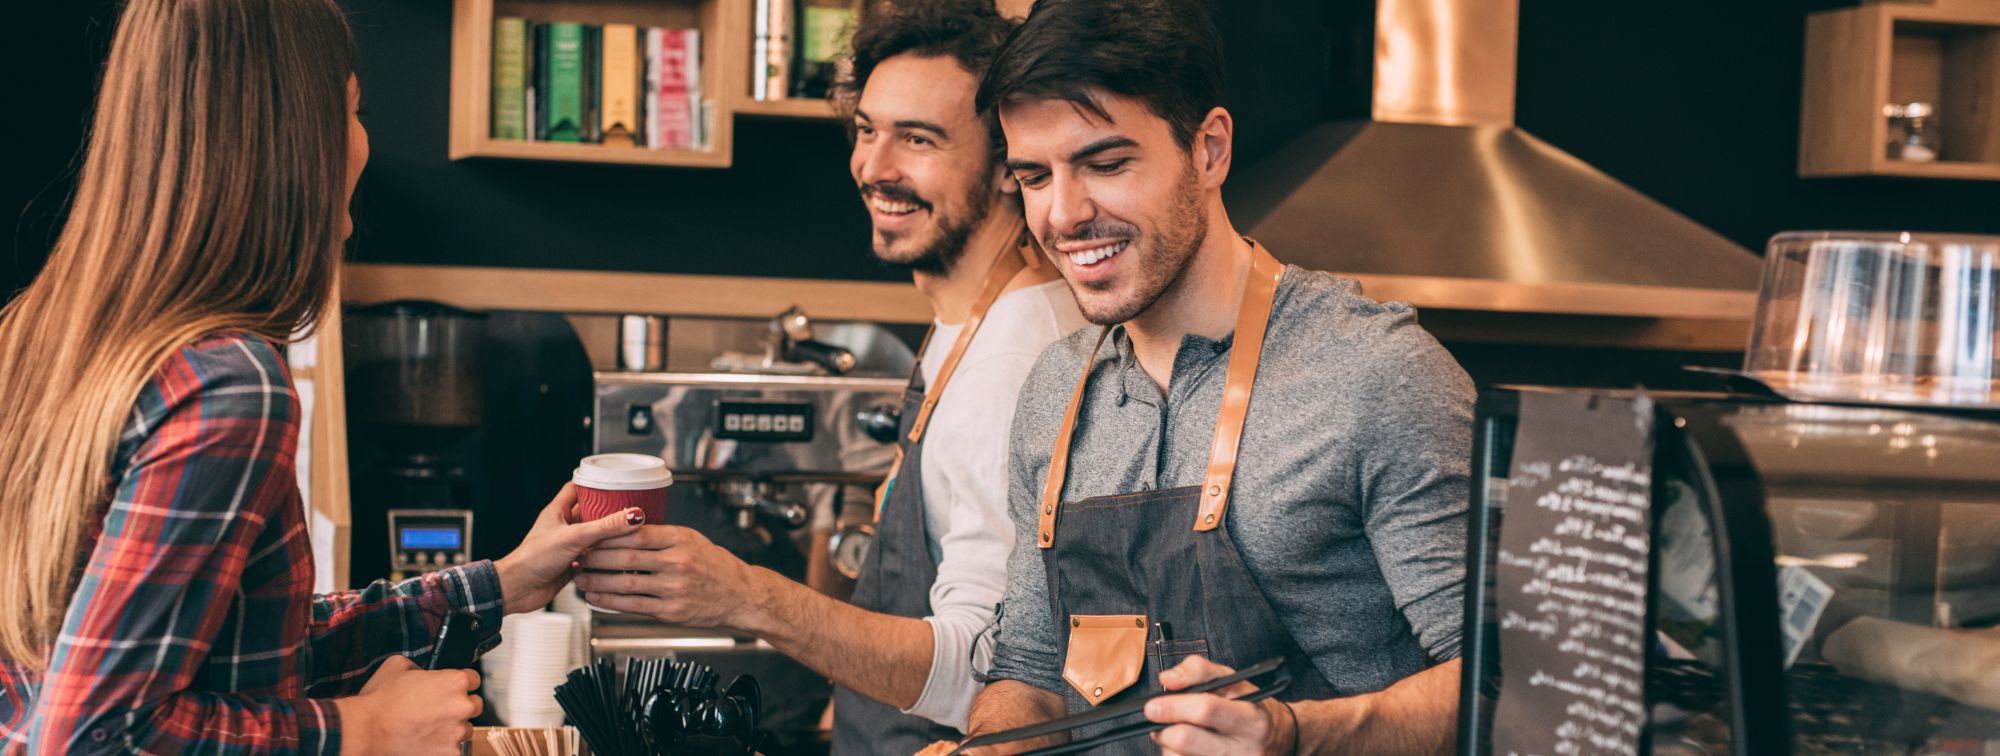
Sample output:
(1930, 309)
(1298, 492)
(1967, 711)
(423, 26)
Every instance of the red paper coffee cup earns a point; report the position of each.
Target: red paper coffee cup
(610, 483)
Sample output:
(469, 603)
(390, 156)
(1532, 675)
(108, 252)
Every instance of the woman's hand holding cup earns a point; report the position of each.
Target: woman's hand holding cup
(531, 575)
(608, 483)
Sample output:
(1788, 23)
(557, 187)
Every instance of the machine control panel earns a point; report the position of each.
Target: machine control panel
(763, 421)
(428, 540)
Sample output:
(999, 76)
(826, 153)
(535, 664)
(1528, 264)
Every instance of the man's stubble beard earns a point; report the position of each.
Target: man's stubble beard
(1185, 231)
(943, 253)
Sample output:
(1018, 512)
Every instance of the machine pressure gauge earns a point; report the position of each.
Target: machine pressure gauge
(848, 549)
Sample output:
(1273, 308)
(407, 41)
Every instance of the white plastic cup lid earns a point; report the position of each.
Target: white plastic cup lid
(623, 472)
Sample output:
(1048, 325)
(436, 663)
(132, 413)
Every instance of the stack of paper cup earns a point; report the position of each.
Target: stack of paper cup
(496, 668)
(540, 663)
(570, 604)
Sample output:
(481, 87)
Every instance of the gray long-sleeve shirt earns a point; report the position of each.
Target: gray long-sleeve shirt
(1350, 490)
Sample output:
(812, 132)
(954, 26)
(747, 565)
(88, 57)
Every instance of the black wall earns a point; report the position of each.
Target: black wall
(786, 208)
(1695, 104)
(56, 51)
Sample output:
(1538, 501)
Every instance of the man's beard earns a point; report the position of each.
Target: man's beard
(942, 253)
(1162, 263)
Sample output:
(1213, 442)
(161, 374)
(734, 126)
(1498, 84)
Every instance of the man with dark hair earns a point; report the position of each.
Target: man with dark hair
(1245, 461)
(928, 168)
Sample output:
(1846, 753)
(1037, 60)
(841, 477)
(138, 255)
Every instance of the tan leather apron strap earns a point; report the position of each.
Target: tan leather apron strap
(1052, 485)
(1251, 319)
(1005, 267)
(1027, 256)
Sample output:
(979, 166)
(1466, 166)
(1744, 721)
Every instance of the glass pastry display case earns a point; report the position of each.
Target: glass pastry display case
(1726, 574)
(1881, 318)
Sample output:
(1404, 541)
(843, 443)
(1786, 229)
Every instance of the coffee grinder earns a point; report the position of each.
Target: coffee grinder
(414, 404)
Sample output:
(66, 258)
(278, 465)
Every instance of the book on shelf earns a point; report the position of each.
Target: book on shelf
(510, 78)
(593, 68)
(531, 116)
(771, 49)
(564, 122)
(649, 87)
(538, 81)
(676, 89)
(619, 117)
(698, 127)
(621, 85)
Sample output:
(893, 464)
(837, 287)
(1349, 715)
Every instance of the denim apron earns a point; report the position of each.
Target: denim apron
(896, 579)
(1139, 581)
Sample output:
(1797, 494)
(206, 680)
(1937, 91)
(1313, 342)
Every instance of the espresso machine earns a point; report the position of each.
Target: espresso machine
(777, 434)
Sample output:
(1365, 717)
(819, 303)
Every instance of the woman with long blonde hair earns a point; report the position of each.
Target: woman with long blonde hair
(158, 596)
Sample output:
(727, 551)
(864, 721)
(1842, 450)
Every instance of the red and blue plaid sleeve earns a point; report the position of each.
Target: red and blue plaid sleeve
(352, 631)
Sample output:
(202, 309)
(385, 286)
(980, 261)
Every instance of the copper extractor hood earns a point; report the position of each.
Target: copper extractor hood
(1441, 200)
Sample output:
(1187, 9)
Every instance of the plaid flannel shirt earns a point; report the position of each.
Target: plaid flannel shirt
(194, 627)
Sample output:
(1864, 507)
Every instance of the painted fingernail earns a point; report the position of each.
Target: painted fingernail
(635, 517)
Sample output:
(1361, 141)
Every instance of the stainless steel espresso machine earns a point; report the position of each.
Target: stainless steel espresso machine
(777, 436)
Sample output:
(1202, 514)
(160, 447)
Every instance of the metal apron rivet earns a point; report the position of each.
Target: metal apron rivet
(1074, 622)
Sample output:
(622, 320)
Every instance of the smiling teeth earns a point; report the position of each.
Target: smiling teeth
(892, 207)
(1097, 255)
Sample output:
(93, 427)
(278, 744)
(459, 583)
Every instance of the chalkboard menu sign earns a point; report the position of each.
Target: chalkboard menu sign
(1570, 578)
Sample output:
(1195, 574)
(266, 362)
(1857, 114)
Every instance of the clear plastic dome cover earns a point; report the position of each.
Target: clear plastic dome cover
(1890, 318)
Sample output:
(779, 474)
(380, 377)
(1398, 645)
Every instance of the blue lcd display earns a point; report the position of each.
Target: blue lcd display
(430, 538)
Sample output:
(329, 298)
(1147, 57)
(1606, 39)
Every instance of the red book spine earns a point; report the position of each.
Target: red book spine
(676, 119)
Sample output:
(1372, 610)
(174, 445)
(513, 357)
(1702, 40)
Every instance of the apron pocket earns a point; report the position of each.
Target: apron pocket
(1106, 654)
(1173, 652)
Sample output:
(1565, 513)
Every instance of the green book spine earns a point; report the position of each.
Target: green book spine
(593, 72)
(566, 85)
(539, 78)
(510, 78)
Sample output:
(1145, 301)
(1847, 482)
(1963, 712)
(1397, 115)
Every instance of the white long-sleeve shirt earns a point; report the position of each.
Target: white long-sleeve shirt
(965, 481)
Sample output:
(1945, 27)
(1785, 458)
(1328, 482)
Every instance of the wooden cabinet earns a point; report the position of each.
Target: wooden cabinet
(1946, 53)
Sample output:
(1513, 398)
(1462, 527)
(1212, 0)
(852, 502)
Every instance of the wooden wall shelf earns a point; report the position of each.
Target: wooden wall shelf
(800, 109)
(1721, 323)
(725, 78)
(590, 153)
(1859, 59)
(725, 41)
(611, 293)
(1943, 169)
